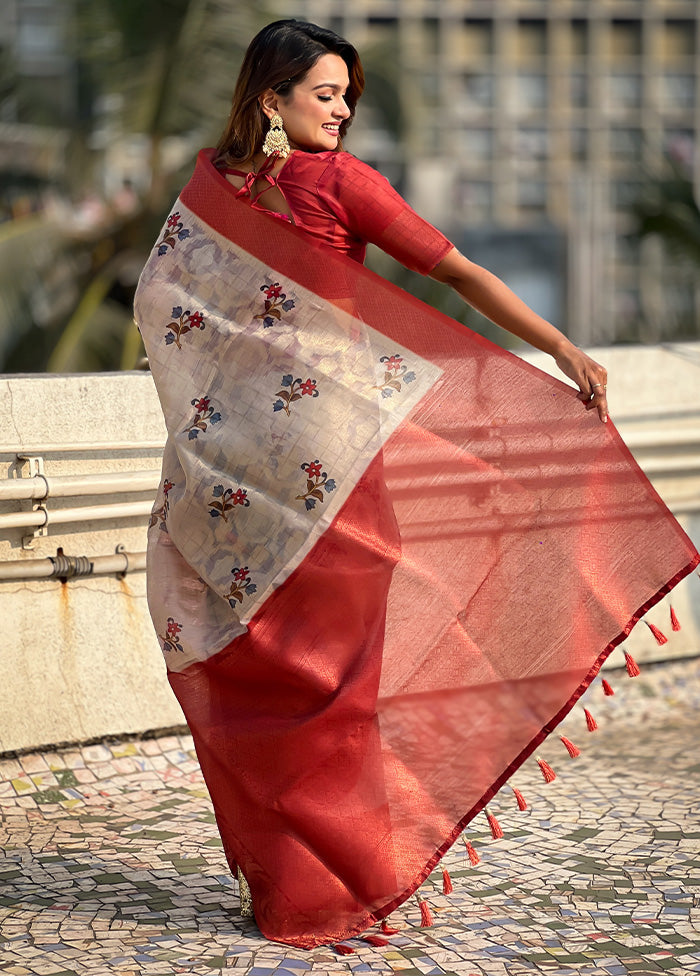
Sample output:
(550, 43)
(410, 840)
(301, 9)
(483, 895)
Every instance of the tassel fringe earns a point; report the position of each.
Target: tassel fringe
(632, 666)
(447, 888)
(607, 689)
(547, 771)
(496, 831)
(387, 929)
(375, 940)
(675, 623)
(520, 799)
(426, 919)
(343, 950)
(473, 856)
(573, 750)
(658, 636)
(591, 723)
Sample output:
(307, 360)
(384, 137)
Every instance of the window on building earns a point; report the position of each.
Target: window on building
(625, 38)
(477, 144)
(475, 200)
(624, 90)
(531, 39)
(529, 92)
(626, 143)
(477, 91)
(532, 143)
(678, 40)
(532, 194)
(677, 91)
(476, 38)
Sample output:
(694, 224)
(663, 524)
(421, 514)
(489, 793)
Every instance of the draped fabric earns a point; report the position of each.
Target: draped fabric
(386, 558)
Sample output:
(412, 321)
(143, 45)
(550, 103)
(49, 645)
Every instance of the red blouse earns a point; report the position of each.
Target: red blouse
(344, 203)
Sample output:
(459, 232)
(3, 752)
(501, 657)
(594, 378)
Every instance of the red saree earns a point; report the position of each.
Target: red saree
(386, 559)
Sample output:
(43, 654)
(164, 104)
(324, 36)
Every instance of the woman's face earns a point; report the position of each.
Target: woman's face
(315, 107)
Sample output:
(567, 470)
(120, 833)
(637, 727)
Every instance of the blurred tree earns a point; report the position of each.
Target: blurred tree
(667, 211)
(668, 208)
(163, 71)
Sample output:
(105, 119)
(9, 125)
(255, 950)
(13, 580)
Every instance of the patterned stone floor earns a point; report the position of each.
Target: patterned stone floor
(112, 864)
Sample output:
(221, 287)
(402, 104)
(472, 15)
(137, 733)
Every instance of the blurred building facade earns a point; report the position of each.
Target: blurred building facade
(543, 117)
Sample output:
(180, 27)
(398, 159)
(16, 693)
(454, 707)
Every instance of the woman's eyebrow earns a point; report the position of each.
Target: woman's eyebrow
(328, 84)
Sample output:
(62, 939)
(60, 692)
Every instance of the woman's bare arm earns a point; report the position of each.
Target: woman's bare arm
(494, 299)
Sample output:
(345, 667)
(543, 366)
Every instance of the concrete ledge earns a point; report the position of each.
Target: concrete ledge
(81, 660)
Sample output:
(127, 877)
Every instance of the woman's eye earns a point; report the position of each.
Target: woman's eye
(325, 98)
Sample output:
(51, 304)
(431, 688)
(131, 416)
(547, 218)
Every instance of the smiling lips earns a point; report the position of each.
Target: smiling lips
(332, 127)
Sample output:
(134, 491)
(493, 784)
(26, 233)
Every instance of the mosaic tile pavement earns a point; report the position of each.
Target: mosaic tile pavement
(112, 864)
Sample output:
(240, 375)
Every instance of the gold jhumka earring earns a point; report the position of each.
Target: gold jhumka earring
(276, 142)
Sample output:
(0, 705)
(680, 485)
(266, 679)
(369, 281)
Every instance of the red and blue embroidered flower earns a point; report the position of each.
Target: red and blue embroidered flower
(186, 321)
(241, 586)
(296, 389)
(226, 499)
(204, 415)
(317, 481)
(174, 231)
(276, 302)
(161, 514)
(395, 370)
(171, 641)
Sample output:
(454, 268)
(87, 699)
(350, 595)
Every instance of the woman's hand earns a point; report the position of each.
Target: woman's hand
(494, 299)
(590, 377)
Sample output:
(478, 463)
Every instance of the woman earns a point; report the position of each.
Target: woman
(357, 553)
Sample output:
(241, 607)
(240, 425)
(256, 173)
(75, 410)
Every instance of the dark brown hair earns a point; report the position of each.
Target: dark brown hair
(279, 58)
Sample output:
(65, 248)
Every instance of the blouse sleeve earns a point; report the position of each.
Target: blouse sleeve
(365, 202)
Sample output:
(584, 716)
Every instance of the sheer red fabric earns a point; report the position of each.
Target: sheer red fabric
(495, 549)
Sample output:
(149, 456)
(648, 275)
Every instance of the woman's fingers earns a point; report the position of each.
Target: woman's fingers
(594, 394)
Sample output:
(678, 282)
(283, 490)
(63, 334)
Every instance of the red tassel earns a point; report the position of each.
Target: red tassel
(573, 750)
(547, 771)
(375, 940)
(660, 638)
(675, 622)
(606, 688)
(496, 831)
(426, 919)
(343, 950)
(447, 888)
(522, 805)
(591, 723)
(387, 929)
(473, 856)
(632, 666)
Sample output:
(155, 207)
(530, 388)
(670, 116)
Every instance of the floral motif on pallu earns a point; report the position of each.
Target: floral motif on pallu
(255, 451)
(395, 371)
(159, 515)
(204, 415)
(293, 390)
(317, 481)
(226, 499)
(183, 322)
(171, 641)
(174, 231)
(241, 586)
(276, 302)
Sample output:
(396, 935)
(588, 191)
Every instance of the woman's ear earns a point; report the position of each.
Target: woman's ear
(268, 102)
